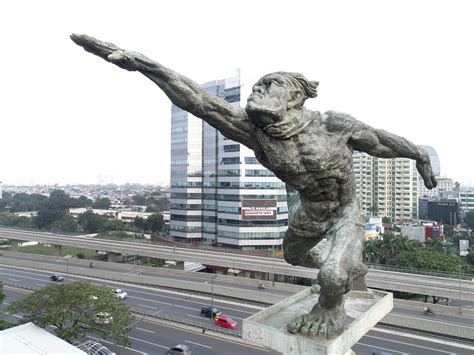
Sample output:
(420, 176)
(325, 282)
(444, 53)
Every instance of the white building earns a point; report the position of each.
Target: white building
(386, 187)
(220, 193)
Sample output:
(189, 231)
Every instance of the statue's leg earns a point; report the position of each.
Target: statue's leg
(342, 265)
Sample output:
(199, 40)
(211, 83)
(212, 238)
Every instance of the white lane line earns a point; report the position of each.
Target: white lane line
(420, 337)
(38, 284)
(15, 280)
(204, 346)
(191, 308)
(16, 315)
(144, 305)
(145, 330)
(410, 344)
(148, 342)
(148, 300)
(385, 349)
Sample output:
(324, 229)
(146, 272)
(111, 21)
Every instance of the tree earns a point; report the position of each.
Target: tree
(74, 310)
(83, 202)
(91, 222)
(102, 203)
(66, 224)
(139, 200)
(155, 222)
(113, 225)
(469, 219)
(371, 251)
(139, 223)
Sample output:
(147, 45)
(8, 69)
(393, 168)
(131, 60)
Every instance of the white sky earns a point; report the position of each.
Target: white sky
(67, 116)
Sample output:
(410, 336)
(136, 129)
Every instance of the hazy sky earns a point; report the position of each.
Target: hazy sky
(67, 116)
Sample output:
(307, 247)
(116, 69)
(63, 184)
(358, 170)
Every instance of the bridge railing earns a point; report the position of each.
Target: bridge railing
(420, 271)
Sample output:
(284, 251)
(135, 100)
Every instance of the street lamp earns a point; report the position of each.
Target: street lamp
(212, 289)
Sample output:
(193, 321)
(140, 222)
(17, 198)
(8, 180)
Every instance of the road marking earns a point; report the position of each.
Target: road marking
(148, 342)
(144, 305)
(191, 315)
(144, 299)
(192, 342)
(400, 342)
(385, 349)
(145, 330)
(16, 315)
(191, 308)
(421, 337)
(38, 284)
(15, 280)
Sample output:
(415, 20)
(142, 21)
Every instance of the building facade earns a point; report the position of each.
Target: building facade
(386, 187)
(220, 193)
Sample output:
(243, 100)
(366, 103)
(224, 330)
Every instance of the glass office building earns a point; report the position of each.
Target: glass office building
(220, 194)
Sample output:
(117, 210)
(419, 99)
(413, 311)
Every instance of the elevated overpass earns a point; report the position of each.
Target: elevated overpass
(389, 280)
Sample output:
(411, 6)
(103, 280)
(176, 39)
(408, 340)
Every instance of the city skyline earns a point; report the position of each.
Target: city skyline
(68, 117)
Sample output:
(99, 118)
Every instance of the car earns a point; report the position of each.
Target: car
(120, 293)
(210, 312)
(103, 318)
(225, 322)
(179, 349)
(57, 278)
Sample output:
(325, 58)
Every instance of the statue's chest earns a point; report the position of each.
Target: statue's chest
(298, 154)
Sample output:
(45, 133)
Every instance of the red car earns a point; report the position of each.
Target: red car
(225, 321)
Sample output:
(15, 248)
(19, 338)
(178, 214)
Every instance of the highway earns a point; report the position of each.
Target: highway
(149, 336)
(389, 280)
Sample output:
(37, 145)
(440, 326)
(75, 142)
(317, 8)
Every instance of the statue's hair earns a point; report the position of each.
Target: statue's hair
(300, 83)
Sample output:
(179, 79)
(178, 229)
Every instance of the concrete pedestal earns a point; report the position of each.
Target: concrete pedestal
(268, 327)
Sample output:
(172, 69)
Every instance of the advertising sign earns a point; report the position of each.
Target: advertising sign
(463, 247)
(259, 209)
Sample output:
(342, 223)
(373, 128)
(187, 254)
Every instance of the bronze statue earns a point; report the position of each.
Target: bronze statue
(308, 150)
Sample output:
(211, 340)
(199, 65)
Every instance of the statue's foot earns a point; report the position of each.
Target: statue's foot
(319, 322)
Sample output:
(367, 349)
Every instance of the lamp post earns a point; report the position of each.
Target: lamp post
(212, 289)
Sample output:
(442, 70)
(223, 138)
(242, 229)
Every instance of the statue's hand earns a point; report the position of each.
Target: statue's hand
(108, 51)
(423, 166)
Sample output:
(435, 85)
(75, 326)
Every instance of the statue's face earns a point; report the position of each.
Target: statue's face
(268, 102)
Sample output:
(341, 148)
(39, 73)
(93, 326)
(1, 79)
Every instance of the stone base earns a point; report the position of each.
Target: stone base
(268, 327)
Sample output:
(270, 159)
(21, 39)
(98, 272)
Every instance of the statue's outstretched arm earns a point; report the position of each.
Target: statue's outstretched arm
(231, 121)
(382, 144)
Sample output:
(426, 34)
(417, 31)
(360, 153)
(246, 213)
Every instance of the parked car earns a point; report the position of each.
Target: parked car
(179, 349)
(120, 293)
(225, 322)
(57, 278)
(210, 312)
(103, 318)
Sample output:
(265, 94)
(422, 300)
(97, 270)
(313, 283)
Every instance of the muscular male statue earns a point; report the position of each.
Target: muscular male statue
(311, 152)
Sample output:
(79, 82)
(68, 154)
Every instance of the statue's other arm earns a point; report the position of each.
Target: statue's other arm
(183, 92)
(382, 144)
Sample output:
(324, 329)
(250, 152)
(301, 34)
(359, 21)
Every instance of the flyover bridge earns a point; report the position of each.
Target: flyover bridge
(382, 279)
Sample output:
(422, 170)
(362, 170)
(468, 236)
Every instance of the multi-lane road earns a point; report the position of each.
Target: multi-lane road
(149, 335)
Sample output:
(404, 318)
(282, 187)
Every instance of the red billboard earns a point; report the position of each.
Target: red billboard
(259, 209)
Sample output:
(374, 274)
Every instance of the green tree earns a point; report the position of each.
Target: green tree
(139, 200)
(139, 223)
(429, 259)
(390, 246)
(91, 222)
(66, 224)
(163, 204)
(113, 225)
(2, 295)
(84, 202)
(74, 310)
(469, 219)
(371, 251)
(102, 203)
(155, 222)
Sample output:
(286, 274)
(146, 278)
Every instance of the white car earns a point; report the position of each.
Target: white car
(120, 293)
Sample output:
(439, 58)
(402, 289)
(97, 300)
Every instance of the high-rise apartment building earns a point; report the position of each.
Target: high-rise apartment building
(386, 187)
(220, 194)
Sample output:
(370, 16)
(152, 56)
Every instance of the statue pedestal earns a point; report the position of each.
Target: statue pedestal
(268, 327)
